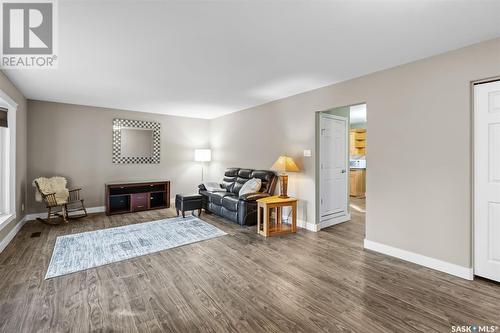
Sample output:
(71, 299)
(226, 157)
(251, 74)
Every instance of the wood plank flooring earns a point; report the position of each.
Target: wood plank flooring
(242, 282)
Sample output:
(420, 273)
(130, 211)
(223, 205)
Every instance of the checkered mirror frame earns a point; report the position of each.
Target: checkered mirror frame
(118, 125)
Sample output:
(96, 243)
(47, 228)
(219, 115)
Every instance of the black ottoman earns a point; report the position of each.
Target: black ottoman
(185, 202)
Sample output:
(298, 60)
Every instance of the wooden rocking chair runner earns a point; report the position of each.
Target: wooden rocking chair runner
(60, 201)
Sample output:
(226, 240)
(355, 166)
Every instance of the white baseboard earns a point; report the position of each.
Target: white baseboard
(333, 221)
(439, 265)
(12, 233)
(90, 210)
(309, 226)
(317, 227)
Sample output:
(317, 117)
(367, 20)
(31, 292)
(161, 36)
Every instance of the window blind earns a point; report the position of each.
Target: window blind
(3, 117)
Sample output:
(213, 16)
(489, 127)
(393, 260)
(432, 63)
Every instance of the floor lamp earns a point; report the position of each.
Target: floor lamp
(202, 155)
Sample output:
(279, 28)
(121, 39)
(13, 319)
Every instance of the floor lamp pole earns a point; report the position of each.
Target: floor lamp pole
(202, 167)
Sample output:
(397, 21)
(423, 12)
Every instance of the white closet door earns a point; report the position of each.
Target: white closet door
(487, 180)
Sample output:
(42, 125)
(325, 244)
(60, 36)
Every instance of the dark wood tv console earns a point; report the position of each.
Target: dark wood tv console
(128, 197)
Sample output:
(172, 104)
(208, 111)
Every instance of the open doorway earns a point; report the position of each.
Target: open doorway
(357, 160)
(341, 143)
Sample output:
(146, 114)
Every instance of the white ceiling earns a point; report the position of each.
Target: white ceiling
(209, 58)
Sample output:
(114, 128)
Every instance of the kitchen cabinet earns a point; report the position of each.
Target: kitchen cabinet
(357, 183)
(357, 141)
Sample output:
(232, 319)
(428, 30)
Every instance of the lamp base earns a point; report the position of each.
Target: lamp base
(283, 186)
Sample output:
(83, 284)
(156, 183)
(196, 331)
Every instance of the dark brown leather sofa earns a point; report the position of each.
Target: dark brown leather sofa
(229, 204)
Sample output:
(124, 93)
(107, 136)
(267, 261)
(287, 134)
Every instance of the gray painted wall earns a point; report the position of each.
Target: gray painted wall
(21, 163)
(75, 141)
(419, 184)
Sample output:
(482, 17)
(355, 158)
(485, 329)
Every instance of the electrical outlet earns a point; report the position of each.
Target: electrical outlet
(307, 153)
(22, 207)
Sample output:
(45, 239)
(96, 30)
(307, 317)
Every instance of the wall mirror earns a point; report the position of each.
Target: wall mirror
(136, 142)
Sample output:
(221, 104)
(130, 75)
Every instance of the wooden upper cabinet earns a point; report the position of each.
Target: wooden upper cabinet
(357, 141)
(360, 134)
(359, 144)
(352, 149)
(357, 177)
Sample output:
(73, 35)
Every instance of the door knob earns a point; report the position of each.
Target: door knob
(343, 170)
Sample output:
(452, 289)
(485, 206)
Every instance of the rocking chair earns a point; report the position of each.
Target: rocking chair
(60, 201)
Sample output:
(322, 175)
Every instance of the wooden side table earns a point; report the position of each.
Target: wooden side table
(264, 206)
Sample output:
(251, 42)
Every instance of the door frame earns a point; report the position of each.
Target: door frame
(340, 218)
(473, 168)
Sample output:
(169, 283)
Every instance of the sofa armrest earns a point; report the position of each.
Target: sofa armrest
(254, 196)
(202, 187)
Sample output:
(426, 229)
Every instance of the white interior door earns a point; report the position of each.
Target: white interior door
(334, 169)
(487, 180)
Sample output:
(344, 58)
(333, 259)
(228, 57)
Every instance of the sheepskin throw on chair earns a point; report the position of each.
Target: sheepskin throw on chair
(60, 201)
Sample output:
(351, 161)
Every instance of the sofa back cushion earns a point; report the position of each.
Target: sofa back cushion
(268, 179)
(243, 176)
(234, 178)
(230, 176)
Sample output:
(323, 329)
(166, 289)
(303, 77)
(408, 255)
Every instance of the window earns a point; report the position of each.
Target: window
(4, 181)
(7, 159)
(4, 166)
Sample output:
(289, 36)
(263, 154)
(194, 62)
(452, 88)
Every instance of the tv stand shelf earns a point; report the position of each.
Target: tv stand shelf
(129, 197)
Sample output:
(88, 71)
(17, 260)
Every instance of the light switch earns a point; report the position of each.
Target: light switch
(307, 153)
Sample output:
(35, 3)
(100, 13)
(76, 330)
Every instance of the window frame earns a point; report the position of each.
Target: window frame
(8, 164)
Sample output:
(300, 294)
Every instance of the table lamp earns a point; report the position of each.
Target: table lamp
(202, 155)
(283, 165)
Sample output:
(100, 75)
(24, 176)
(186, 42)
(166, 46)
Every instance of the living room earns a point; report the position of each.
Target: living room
(168, 174)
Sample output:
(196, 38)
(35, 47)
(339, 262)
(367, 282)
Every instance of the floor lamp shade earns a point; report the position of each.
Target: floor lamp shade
(202, 155)
(283, 165)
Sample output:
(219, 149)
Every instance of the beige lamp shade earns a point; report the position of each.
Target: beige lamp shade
(285, 164)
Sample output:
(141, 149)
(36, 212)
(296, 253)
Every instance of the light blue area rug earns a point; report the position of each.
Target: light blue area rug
(78, 252)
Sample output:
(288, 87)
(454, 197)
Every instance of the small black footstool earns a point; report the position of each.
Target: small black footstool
(185, 202)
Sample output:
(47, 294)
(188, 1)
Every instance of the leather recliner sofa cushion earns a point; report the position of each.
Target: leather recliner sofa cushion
(230, 176)
(216, 197)
(244, 175)
(230, 202)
